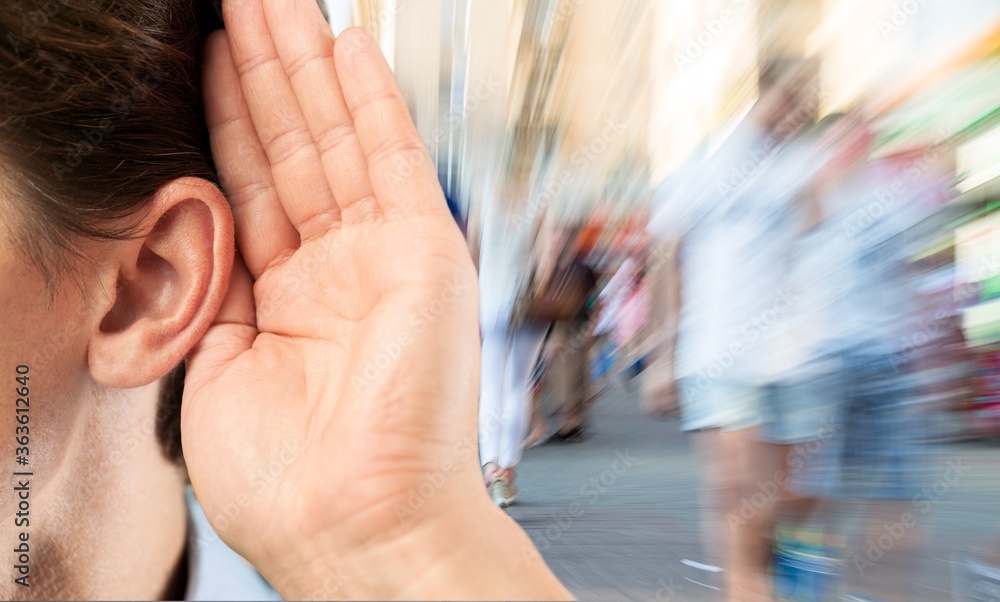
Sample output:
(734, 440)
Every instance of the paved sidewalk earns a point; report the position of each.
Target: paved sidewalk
(615, 515)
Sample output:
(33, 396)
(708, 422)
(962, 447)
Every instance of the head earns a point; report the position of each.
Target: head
(789, 96)
(847, 140)
(115, 244)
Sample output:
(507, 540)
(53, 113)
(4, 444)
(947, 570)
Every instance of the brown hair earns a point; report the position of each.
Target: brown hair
(100, 106)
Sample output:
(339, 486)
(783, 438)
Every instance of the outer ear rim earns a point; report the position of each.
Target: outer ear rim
(104, 351)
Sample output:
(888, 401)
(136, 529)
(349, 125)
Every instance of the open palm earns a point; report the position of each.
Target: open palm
(342, 368)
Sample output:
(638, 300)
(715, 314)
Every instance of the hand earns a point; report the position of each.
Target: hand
(340, 377)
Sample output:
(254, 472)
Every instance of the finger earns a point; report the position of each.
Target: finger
(305, 46)
(295, 165)
(263, 232)
(402, 175)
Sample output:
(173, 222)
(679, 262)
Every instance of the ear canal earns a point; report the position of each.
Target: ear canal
(144, 292)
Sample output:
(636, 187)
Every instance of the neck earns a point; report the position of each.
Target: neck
(111, 523)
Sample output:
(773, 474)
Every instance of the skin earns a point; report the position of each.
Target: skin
(338, 352)
(95, 352)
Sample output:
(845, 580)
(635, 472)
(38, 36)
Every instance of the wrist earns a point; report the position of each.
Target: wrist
(480, 553)
(472, 551)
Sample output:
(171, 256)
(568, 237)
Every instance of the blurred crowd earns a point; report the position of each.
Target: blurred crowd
(787, 297)
(776, 222)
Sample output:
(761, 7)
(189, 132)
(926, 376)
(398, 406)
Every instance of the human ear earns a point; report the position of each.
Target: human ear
(166, 285)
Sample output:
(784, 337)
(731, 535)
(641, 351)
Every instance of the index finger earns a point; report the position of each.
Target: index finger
(402, 174)
(263, 232)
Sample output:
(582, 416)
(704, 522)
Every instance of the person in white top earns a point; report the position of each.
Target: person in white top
(730, 223)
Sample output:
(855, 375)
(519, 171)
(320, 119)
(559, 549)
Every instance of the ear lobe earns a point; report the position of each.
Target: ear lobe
(170, 284)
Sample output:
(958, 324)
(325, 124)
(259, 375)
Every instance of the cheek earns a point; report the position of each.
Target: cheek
(43, 372)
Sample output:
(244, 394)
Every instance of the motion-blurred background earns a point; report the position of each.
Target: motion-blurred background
(598, 134)
(510, 93)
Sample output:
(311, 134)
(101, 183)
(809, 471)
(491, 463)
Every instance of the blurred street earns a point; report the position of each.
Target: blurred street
(783, 214)
(625, 538)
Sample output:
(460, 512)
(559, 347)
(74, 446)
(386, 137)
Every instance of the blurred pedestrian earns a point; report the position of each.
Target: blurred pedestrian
(878, 427)
(510, 347)
(730, 224)
(569, 368)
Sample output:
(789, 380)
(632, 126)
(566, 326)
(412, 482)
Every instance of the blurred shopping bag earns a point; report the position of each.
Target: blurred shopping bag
(561, 297)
